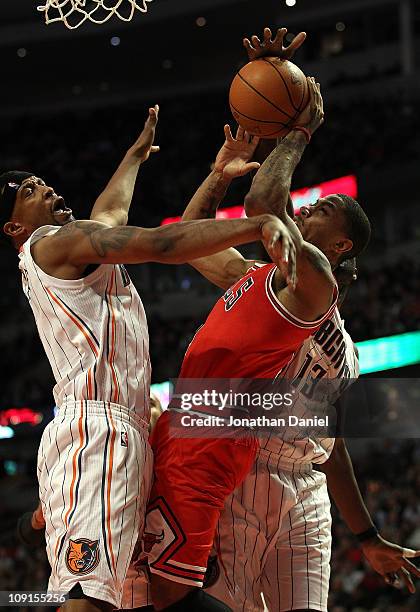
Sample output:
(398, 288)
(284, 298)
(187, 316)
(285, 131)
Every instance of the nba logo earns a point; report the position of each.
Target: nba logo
(124, 439)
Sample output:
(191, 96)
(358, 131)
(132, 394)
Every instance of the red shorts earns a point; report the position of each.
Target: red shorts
(193, 478)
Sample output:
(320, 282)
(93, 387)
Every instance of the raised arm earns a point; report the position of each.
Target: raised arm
(273, 47)
(270, 190)
(113, 205)
(226, 267)
(67, 253)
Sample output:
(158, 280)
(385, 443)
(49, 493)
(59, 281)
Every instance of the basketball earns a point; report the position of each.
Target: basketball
(267, 96)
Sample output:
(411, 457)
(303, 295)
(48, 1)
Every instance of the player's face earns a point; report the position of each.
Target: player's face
(37, 204)
(323, 225)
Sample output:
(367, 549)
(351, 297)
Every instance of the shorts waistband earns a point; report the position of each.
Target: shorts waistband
(284, 464)
(101, 409)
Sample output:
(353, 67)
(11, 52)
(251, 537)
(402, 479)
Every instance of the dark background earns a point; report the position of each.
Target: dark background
(71, 103)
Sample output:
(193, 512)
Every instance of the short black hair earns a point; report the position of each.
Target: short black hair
(357, 226)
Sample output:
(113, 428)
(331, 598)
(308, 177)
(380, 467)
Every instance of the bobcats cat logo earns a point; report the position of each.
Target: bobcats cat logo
(82, 556)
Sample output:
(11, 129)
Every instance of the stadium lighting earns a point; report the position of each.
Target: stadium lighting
(300, 197)
(6, 432)
(389, 352)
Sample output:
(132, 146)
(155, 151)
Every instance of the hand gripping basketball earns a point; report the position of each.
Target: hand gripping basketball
(313, 115)
(273, 48)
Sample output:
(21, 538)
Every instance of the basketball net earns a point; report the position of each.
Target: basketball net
(75, 12)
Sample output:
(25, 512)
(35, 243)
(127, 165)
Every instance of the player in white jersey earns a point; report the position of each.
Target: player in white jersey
(94, 465)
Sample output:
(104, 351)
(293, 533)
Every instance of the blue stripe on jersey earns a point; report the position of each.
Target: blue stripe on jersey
(103, 496)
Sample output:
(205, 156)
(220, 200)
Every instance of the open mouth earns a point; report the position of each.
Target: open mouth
(59, 207)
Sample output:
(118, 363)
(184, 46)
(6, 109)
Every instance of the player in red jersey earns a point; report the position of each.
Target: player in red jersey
(252, 332)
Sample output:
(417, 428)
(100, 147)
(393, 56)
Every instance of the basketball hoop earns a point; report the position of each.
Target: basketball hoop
(75, 12)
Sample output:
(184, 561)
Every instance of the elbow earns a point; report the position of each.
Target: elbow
(254, 204)
(262, 202)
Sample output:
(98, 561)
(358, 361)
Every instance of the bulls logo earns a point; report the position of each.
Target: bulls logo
(150, 539)
(82, 556)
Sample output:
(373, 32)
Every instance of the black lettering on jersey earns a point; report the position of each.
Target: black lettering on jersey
(339, 355)
(125, 277)
(309, 387)
(330, 338)
(231, 297)
(324, 332)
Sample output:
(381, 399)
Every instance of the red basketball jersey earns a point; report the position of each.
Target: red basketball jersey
(249, 333)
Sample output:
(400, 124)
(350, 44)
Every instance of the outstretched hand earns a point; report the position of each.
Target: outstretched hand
(143, 146)
(391, 562)
(233, 158)
(273, 48)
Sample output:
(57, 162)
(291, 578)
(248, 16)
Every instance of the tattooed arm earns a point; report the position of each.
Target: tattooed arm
(113, 204)
(271, 186)
(270, 190)
(67, 253)
(225, 268)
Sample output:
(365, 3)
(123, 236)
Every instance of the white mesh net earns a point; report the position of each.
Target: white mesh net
(75, 12)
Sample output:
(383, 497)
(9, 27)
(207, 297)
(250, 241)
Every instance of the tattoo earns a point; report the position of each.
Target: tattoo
(208, 210)
(87, 227)
(113, 239)
(272, 182)
(212, 198)
(103, 239)
(206, 200)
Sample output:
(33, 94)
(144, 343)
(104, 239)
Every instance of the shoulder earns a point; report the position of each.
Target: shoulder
(52, 250)
(67, 234)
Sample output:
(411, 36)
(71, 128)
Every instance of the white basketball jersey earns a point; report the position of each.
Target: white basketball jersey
(328, 354)
(94, 332)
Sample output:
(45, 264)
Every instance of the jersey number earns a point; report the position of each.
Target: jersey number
(231, 297)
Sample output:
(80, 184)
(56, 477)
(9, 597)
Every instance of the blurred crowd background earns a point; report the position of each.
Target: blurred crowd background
(73, 102)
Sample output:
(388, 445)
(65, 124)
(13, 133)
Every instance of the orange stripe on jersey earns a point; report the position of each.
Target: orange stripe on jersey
(112, 353)
(72, 318)
(108, 492)
(89, 383)
(77, 451)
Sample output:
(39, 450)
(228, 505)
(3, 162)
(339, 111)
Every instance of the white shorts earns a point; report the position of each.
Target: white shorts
(136, 590)
(274, 537)
(94, 471)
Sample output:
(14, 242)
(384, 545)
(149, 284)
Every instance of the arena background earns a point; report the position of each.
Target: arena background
(72, 102)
